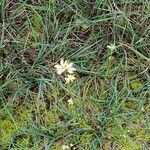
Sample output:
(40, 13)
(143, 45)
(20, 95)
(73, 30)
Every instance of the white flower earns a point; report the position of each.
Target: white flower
(70, 68)
(70, 101)
(70, 78)
(142, 109)
(60, 68)
(111, 47)
(65, 147)
(64, 66)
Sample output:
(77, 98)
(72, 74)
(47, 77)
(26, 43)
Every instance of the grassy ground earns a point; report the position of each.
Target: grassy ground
(111, 95)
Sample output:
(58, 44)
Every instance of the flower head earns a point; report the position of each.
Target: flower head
(70, 78)
(64, 66)
(70, 68)
(111, 47)
(70, 101)
(60, 68)
(65, 147)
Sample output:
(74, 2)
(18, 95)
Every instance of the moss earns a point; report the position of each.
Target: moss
(52, 117)
(86, 138)
(37, 22)
(24, 114)
(130, 104)
(7, 130)
(136, 84)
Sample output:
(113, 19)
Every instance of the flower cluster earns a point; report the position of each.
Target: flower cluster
(65, 66)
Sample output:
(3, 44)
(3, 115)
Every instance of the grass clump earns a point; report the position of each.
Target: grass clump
(74, 74)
